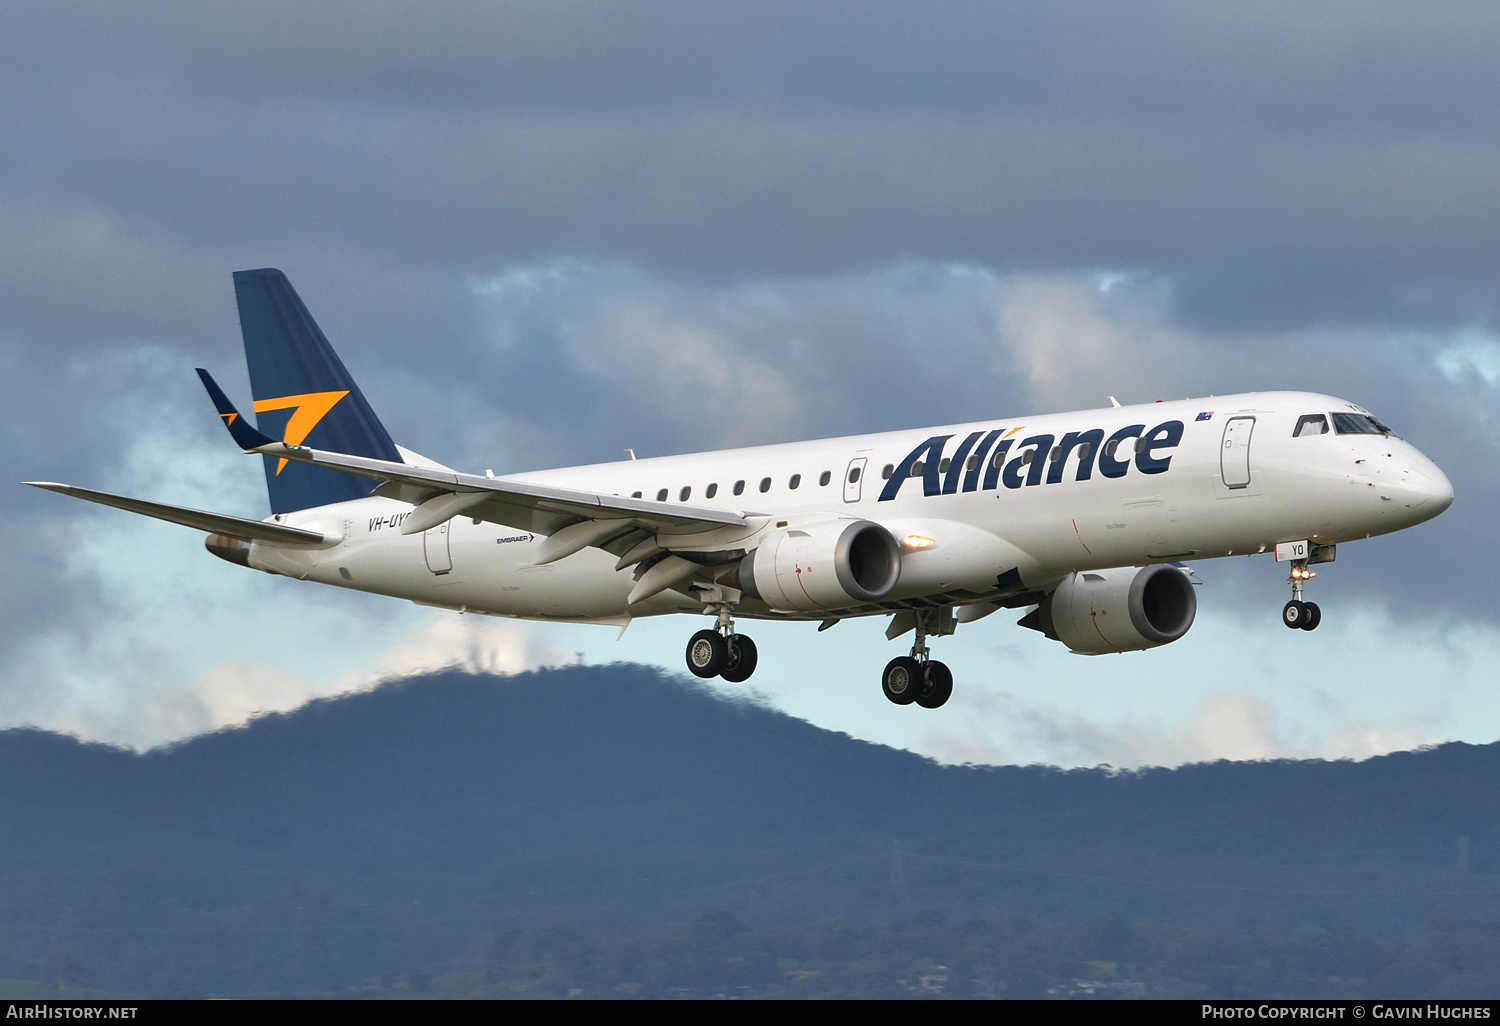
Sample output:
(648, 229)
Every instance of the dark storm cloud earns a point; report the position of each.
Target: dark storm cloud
(1243, 216)
(1359, 66)
(1352, 144)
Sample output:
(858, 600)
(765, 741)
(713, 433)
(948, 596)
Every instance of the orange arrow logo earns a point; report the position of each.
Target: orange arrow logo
(307, 410)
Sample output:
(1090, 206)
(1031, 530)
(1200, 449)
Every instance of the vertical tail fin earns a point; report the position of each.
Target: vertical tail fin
(303, 395)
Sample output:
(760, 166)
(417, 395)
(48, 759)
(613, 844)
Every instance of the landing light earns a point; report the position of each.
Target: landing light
(913, 542)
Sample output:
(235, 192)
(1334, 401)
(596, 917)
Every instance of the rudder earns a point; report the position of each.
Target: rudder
(303, 395)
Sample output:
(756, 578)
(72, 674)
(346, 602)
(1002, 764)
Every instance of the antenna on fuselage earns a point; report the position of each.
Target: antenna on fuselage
(632, 453)
(1113, 401)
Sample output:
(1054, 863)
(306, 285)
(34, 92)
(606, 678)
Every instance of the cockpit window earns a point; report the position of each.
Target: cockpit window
(1311, 424)
(1358, 424)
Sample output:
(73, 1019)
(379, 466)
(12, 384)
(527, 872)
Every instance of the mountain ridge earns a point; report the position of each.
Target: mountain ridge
(401, 826)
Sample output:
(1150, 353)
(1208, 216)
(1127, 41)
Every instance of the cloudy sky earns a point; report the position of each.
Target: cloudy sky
(540, 233)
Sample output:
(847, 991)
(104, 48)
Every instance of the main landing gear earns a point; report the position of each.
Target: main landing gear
(720, 652)
(1297, 614)
(916, 677)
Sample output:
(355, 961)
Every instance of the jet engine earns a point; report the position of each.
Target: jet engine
(831, 564)
(1124, 609)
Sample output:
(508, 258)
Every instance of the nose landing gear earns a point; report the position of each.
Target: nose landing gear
(916, 677)
(720, 652)
(1298, 614)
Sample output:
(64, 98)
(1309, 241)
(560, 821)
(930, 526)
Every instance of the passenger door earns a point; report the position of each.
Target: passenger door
(1234, 457)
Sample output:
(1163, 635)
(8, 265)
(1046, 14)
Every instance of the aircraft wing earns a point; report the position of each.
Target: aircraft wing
(217, 523)
(442, 494)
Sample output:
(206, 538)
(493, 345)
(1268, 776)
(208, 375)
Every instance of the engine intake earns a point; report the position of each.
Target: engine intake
(1124, 609)
(831, 564)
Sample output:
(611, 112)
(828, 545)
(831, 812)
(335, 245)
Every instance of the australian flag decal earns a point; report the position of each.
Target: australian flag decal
(1208, 415)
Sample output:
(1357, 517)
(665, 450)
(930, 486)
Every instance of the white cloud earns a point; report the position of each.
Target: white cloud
(473, 644)
(1234, 725)
(695, 375)
(1074, 354)
(234, 692)
(1469, 356)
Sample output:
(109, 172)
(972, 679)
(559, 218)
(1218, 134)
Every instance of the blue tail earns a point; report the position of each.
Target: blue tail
(303, 395)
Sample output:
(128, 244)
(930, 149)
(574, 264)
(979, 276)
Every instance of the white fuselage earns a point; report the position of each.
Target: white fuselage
(1217, 491)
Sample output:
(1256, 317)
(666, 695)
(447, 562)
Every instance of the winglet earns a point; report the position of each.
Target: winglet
(245, 436)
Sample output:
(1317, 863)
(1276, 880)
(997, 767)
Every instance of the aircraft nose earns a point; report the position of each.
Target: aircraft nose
(1427, 489)
(1438, 488)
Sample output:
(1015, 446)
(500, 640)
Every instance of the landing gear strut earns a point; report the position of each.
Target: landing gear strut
(1296, 613)
(720, 652)
(917, 677)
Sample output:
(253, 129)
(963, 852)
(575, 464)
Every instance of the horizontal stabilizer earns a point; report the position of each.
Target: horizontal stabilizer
(218, 523)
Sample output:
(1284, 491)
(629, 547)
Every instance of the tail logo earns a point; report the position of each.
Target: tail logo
(307, 409)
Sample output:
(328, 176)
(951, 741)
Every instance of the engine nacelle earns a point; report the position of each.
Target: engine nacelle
(831, 564)
(1124, 609)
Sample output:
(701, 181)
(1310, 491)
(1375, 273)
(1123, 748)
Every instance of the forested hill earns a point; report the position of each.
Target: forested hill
(406, 827)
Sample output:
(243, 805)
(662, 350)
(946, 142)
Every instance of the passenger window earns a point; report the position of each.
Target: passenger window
(1311, 424)
(711, 490)
(635, 495)
(1085, 449)
(1026, 457)
(765, 484)
(943, 465)
(739, 488)
(1055, 453)
(1111, 447)
(824, 478)
(886, 471)
(999, 459)
(854, 474)
(795, 481)
(661, 496)
(916, 469)
(687, 490)
(971, 462)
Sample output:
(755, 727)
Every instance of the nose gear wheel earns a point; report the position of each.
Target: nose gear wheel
(1301, 615)
(1297, 614)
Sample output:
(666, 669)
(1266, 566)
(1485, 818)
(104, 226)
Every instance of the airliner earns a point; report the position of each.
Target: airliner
(1085, 521)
